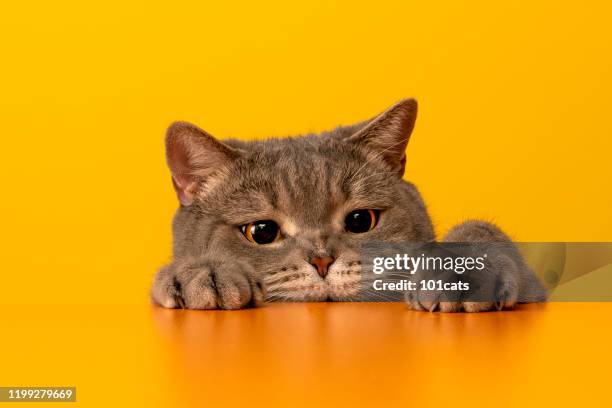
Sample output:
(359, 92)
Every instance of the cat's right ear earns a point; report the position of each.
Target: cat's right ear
(193, 157)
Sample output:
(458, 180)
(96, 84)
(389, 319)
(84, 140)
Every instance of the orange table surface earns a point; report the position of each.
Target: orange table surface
(312, 354)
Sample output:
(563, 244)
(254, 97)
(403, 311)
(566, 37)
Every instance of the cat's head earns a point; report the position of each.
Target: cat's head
(297, 209)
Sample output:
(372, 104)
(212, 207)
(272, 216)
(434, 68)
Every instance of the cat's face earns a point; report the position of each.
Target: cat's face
(297, 209)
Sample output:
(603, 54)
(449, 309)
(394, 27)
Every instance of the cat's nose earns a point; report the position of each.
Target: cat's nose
(322, 264)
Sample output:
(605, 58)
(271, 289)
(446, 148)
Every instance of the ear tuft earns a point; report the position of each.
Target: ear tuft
(193, 157)
(387, 135)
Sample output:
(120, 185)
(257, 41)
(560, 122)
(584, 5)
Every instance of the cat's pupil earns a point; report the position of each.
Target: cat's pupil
(264, 232)
(360, 221)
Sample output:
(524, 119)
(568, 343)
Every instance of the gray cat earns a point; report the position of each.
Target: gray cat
(284, 218)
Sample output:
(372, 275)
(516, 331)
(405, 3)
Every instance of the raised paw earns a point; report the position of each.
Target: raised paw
(505, 281)
(206, 284)
(495, 288)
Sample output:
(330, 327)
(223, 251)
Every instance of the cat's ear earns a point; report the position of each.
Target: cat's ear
(193, 157)
(386, 136)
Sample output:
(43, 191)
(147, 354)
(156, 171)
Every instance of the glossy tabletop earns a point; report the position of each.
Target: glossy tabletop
(316, 354)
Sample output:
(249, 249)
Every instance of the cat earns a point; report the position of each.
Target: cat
(283, 219)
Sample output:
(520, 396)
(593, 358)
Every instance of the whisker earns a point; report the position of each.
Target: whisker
(283, 278)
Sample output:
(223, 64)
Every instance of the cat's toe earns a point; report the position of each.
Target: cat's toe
(507, 292)
(506, 299)
(450, 307)
(412, 301)
(234, 292)
(165, 291)
(168, 300)
(475, 307)
(200, 292)
(429, 305)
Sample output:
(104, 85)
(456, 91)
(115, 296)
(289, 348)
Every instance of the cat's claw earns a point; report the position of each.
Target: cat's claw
(179, 302)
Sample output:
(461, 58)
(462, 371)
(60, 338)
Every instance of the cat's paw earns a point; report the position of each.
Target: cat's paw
(205, 284)
(495, 288)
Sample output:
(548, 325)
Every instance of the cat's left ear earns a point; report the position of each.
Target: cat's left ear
(386, 136)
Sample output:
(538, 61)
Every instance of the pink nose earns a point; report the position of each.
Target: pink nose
(322, 264)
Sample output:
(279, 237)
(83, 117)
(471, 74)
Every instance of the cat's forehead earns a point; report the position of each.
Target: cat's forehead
(310, 162)
(302, 145)
(307, 179)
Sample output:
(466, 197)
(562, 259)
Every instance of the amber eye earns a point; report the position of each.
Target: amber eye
(261, 232)
(359, 221)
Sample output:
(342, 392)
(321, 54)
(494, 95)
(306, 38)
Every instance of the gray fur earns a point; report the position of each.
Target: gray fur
(307, 184)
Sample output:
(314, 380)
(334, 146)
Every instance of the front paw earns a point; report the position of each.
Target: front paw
(494, 288)
(206, 284)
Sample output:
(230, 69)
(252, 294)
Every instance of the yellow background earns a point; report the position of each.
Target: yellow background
(514, 121)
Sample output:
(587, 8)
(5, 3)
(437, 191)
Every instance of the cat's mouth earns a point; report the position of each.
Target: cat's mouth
(342, 283)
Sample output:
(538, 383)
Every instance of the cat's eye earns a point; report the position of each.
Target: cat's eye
(360, 221)
(261, 232)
